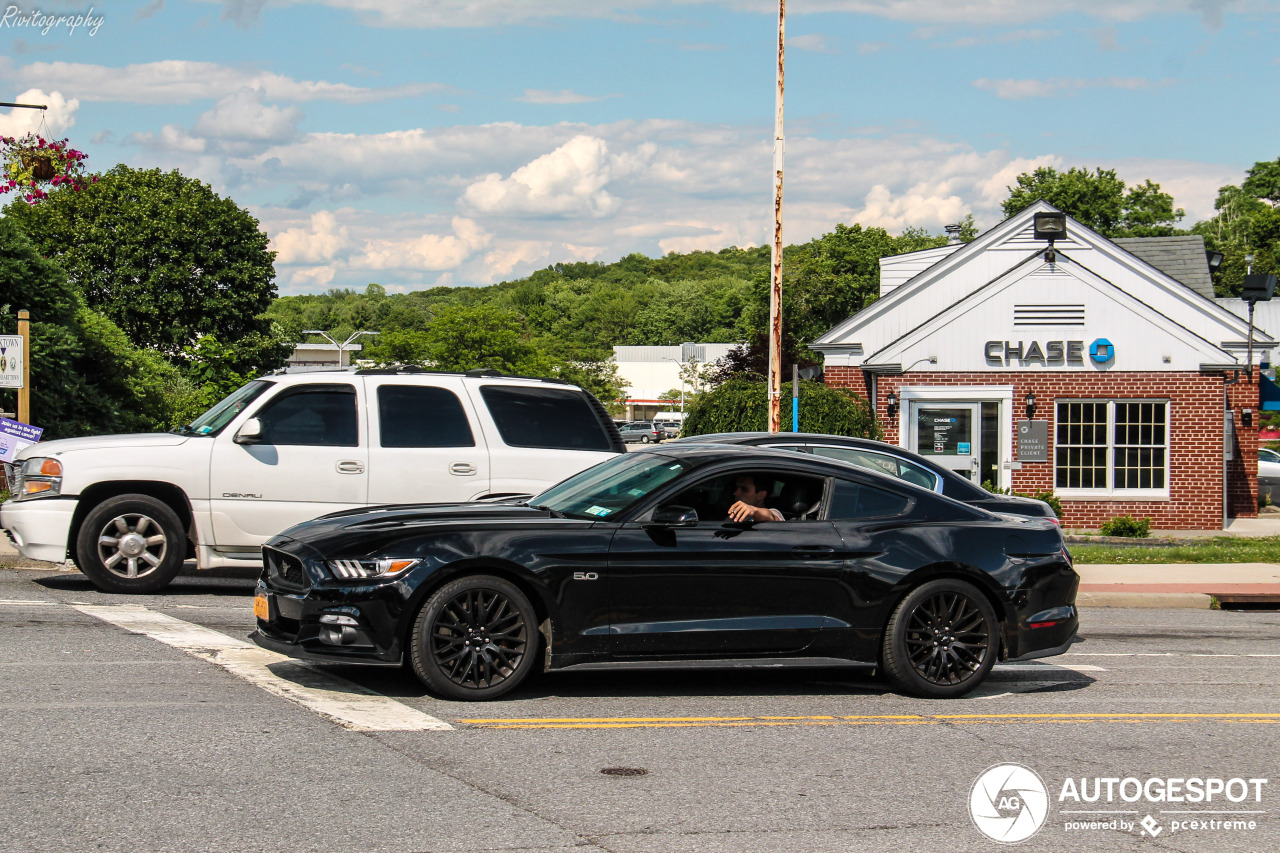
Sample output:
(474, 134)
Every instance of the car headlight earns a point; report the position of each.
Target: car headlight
(357, 569)
(38, 477)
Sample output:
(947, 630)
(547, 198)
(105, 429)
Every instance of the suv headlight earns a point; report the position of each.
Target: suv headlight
(38, 477)
(357, 569)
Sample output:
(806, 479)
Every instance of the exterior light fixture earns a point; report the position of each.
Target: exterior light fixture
(1030, 400)
(1214, 259)
(1050, 226)
(1246, 417)
(891, 404)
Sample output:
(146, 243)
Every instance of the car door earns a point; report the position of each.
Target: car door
(720, 589)
(311, 459)
(426, 445)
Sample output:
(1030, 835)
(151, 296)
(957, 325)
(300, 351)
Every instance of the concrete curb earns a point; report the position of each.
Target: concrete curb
(1186, 600)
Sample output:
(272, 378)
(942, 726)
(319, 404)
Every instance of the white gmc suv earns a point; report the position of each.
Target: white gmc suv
(129, 509)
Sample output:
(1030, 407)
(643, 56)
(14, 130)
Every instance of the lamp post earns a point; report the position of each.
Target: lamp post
(341, 346)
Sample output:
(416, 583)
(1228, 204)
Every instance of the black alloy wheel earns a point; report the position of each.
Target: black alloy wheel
(475, 638)
(941, 640)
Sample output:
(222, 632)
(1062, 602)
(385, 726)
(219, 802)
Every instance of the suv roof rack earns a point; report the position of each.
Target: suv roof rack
(477, 373)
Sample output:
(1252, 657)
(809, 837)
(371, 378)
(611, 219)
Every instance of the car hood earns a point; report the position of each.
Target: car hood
(102, 442)
(405, 519)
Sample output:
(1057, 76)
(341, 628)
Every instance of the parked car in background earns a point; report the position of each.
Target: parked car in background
(887, 459)
(670, 429)
(129, 509)
(644, 432)
(1268, 475)
(635, 562)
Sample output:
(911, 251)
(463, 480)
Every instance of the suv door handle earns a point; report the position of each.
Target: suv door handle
(350, 466)
(813, 550)
(462, 469)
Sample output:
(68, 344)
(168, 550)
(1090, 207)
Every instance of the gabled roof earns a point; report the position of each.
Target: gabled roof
(1181, 257)
(1009, 244)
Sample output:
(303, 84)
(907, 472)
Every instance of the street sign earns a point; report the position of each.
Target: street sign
(1033, 441)
(11, 361)
(15, 435)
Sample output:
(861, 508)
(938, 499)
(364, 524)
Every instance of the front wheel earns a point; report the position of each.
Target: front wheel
(475, 638)
(644, 439)
(941, 640)
(131, 543)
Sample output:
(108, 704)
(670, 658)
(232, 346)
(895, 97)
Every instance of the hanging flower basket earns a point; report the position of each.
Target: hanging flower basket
(32, 161)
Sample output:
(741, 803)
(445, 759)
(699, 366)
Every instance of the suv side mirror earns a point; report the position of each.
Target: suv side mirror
(675, 516)
(250, 432)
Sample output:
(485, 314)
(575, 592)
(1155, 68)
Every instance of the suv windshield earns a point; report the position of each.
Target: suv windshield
(609, 488)
(224, 411)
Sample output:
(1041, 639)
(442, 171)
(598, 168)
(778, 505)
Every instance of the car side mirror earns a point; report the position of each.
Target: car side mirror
(675, 516)
(250, 432)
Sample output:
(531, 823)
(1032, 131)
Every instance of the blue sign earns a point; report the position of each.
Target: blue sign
(963, 447)
(1101, 351)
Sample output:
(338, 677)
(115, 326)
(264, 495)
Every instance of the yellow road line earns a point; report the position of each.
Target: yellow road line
(881, 720)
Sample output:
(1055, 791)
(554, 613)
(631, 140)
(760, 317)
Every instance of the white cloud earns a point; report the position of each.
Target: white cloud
(1015, 90)
(524, 253)
(176, 81)
(812, 42)
(242, 116)
(569, 181)
(60, 116)
(564, 96)
(425, 251)
(318, 243)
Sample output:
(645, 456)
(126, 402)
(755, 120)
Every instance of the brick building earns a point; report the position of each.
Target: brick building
(1103, 370)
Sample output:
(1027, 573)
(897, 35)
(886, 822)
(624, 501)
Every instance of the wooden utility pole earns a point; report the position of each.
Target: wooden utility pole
(24, 393)
(775, 255)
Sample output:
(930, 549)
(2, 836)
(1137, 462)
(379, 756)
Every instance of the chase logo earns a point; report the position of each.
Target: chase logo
(1101, 351)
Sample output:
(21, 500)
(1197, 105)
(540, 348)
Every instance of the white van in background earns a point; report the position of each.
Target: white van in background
(669, 422)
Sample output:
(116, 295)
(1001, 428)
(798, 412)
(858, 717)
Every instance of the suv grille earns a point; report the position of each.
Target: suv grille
(283, 570)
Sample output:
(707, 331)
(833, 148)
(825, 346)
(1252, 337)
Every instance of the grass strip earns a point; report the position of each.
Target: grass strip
(1219, 549)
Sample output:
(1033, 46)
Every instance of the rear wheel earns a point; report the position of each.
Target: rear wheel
(475, 638)
(131, 543)
(644, 439)
(941, 640)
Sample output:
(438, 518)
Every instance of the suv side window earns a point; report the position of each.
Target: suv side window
(422, 416)
(552, 418)
(882, 463)
(855, 501)
(316, 416)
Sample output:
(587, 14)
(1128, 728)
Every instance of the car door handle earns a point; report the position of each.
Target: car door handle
(462, 469)
(350, 466)
(813, 550)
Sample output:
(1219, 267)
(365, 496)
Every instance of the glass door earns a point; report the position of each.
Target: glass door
(948, 434)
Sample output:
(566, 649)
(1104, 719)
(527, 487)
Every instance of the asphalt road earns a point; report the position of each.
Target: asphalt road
(160, 736)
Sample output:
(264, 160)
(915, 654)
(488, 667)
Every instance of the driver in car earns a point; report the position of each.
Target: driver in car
(749, 498)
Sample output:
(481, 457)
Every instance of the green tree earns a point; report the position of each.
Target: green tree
(739, 405)
(161, 255)
(86, 376)
(1247, 223)
(1100, 200)
(464, 339)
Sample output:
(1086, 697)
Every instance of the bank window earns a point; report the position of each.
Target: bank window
(1112, 446)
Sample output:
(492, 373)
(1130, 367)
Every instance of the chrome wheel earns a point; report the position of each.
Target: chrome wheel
(947, 638)
(132, 545)
(479, 638)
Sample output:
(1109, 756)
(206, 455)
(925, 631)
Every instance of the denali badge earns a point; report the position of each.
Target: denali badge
(240, 495)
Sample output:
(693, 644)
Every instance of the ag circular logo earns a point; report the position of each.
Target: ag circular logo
(1102, 351)
(1008, 803)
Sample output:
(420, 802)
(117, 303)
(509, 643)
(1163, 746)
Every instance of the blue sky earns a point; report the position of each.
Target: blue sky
(418, 143)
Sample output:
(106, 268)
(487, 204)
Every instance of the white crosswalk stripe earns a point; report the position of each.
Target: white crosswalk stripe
(344, 702)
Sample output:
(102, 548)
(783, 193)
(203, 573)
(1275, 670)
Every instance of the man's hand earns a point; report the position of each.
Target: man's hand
(746, 512)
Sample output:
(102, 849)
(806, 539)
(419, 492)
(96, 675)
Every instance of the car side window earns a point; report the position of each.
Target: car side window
(552, 418)
(1268, 455)
(797, 497)
(422, 416)
(316, 416)
(852, 501)
(882, 463)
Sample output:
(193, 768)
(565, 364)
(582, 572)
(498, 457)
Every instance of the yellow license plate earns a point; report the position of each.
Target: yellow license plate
(261, 608)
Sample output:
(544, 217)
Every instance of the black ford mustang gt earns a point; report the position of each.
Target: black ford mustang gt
(633, 560)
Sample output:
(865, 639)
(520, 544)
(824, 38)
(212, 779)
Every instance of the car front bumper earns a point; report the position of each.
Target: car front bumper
(338, 625)
(39, 528)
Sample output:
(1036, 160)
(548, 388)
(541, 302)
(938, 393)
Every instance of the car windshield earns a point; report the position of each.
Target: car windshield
(225, 410)
(610, 488)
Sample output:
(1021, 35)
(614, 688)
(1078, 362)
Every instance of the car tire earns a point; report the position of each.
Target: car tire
(475, 638)
(941, 641)
(644, 439)
(131, 544)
